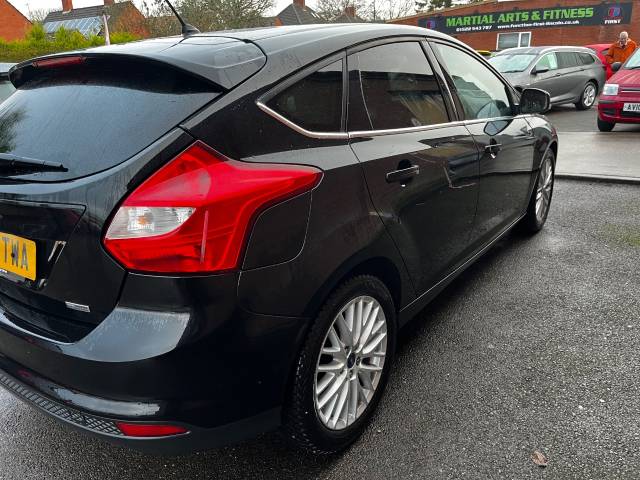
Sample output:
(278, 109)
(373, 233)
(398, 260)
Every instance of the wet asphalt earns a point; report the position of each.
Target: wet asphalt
(536, 347)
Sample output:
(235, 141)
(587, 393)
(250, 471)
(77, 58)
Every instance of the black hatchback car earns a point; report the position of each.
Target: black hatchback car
(209, 237)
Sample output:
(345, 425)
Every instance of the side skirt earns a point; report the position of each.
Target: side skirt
(411, 310)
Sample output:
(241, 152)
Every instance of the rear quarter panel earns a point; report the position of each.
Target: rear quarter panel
(344, 229)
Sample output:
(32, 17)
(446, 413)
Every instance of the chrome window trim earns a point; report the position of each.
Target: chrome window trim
(422, 128)
(260, 103)
(293, 79)
(394, 131)
(373, 133)
(298, 128)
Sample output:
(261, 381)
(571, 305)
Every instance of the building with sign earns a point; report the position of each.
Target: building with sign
(496, 25)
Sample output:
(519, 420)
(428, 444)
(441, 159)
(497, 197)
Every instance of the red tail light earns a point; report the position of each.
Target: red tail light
(58, 62)
(195, 213)
(153, 430)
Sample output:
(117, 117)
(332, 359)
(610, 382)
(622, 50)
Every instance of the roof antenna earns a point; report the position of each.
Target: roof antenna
(187, 29)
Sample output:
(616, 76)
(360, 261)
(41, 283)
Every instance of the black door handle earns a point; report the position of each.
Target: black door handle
(403, 174)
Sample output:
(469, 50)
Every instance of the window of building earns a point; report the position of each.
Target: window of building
(315, 102)
(481, 93)
(398, 86)
(513, 40)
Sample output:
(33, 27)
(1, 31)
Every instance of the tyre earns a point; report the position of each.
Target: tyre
(540, 202)
(605, 126)
(343, 367)
(588, 97)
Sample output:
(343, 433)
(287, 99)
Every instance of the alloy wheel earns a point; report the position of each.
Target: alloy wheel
(544, 189)
(350, 363)
(589, 95)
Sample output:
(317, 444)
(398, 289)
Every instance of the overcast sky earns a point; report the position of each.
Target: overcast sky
(25, 5)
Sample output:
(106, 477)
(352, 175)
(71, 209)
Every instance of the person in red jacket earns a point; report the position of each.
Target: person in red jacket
(622, 49)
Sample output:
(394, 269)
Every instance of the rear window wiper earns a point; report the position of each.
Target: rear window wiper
(14, 164)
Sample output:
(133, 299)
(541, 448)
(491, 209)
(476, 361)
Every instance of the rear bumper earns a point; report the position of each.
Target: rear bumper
(610, 110)
(106, 428)
(198, 360)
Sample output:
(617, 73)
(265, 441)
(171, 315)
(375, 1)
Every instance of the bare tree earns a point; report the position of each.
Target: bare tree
(160, 20)
(330, 9)
(385, 10)
(37, 15)
(206, 15)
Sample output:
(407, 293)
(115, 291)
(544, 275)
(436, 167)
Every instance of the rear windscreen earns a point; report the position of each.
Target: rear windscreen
(95, 115)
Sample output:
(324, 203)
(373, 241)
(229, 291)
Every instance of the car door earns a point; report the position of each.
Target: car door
(592, 68)
(572, 77)
(421, 170)
(545, 76)
(505, 140)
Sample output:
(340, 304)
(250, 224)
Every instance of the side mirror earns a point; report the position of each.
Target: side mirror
(538, 70)
(534, 100)
(616, 66)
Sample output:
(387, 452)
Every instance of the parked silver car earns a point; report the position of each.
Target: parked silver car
(6, 88)
(570, 74)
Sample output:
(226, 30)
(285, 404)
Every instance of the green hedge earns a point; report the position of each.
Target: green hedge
(37, 43)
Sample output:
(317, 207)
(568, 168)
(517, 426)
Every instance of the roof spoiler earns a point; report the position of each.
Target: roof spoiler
(223, 61)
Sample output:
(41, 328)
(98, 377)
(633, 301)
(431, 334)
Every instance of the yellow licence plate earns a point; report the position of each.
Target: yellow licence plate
(18, 255)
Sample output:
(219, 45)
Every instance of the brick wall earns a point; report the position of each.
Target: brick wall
(131, 20)
(541, 36)
(13, 25)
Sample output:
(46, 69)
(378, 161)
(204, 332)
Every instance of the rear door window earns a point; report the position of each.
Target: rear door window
(398, 86)
(567, 59)
(315, 102)
(93, 116)
(586, 58)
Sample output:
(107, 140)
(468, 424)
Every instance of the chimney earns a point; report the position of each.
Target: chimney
(299, 3)
(350, 11)
(108, 3)
(67, 5)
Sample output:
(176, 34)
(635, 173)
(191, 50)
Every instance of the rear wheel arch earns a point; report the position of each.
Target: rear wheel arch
(302, 423)
(380, 267)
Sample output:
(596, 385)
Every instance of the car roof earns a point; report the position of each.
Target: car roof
(225, 57)
(299, 34)
(540, 50)
(313, 42)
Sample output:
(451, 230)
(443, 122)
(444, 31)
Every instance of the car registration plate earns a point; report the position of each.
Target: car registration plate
(631, 107)
(18, 255)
